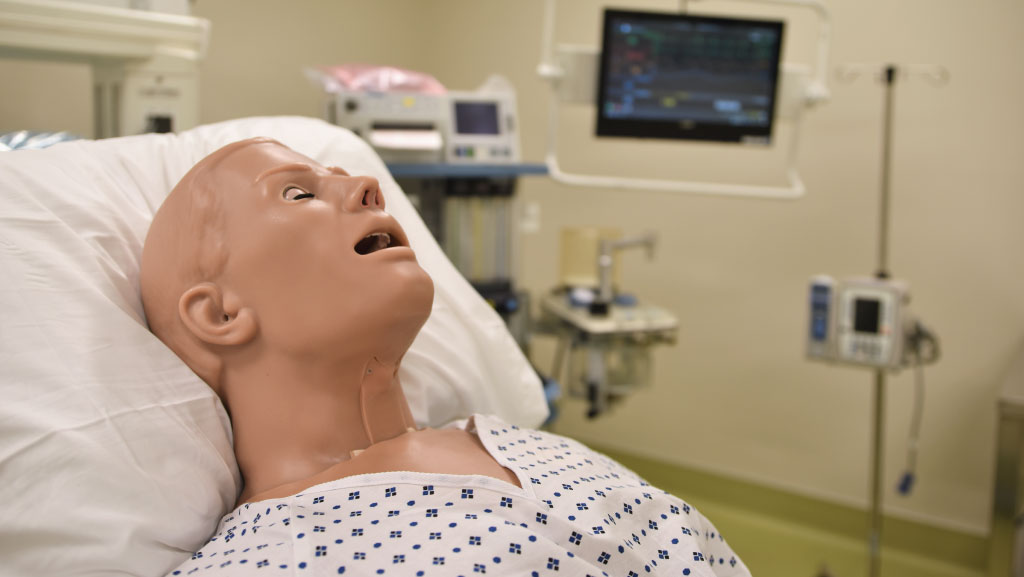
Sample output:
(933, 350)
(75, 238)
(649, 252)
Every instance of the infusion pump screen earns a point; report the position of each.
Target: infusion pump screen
(866, 315)
(476, 118)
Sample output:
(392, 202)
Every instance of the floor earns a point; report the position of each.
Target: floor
(773, 548)
(802, 545)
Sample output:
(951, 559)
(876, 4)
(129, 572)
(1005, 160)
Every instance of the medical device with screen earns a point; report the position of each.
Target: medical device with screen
(666, 75)
(482, 128)
(859, 321)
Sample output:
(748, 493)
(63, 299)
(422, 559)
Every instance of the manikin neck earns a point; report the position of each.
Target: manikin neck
(291, 425)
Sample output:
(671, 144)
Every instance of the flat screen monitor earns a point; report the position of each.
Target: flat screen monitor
(667, 75)
(476, 117)
(866, 315)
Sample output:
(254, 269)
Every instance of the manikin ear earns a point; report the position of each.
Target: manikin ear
(214, 319)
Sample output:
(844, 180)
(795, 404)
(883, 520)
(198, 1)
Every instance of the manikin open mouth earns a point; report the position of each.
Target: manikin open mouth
(374, 242)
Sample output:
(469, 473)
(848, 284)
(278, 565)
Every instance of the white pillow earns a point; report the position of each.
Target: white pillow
(114, 457)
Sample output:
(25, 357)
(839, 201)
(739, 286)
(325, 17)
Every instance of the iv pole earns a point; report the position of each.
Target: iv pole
(875, 532)
(938, 75)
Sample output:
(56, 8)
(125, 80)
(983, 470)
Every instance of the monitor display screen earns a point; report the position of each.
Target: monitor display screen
(476, 118)
(866, 315)
(666, 75)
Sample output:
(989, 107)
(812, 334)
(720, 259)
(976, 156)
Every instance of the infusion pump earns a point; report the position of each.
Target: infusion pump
(864, 321)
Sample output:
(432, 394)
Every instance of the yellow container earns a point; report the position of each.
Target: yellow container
(580, 248)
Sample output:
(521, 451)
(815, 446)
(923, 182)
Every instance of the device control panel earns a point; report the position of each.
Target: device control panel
(482, 128)
(819, 341)
(857, 321)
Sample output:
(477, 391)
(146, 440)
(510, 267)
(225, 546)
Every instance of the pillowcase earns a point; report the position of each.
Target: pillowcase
(114, 456)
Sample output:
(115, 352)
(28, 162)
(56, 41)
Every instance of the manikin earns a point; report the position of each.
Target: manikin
(271, 302)
(286, 286)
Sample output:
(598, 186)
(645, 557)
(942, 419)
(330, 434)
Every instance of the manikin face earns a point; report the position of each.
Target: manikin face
(313, 254)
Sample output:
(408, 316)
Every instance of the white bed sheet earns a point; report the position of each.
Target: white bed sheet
(114, 457)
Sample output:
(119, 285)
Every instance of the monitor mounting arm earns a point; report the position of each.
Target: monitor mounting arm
(813, 92)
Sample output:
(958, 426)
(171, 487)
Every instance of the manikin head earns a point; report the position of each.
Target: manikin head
(262, 256)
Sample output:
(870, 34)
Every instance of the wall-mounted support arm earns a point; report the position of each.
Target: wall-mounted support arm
(815, 92)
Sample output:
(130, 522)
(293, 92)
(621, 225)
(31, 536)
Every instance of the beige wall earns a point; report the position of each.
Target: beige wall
(46, 96)
(258, 49)
(735, 395)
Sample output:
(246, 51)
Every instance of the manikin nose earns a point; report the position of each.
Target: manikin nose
(364, 194)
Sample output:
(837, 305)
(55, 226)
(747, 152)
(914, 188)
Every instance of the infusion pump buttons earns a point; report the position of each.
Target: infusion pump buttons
(819, 337)
(483, 152)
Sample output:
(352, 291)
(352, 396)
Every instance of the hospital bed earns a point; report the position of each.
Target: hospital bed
(115, 459)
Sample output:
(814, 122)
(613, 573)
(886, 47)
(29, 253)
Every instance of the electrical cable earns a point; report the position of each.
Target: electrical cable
(916, 340)
(909, 475)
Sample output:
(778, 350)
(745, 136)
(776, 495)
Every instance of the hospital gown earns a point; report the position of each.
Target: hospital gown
(577, 513)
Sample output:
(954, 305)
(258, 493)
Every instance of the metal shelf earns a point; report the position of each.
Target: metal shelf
(51, 29)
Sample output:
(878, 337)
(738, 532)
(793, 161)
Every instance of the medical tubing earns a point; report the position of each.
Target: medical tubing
(906, 483)
(916, 339)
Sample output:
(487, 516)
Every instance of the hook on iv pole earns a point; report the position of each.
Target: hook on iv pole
(935, 74)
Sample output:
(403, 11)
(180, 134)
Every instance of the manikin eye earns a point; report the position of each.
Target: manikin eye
(296, 193)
